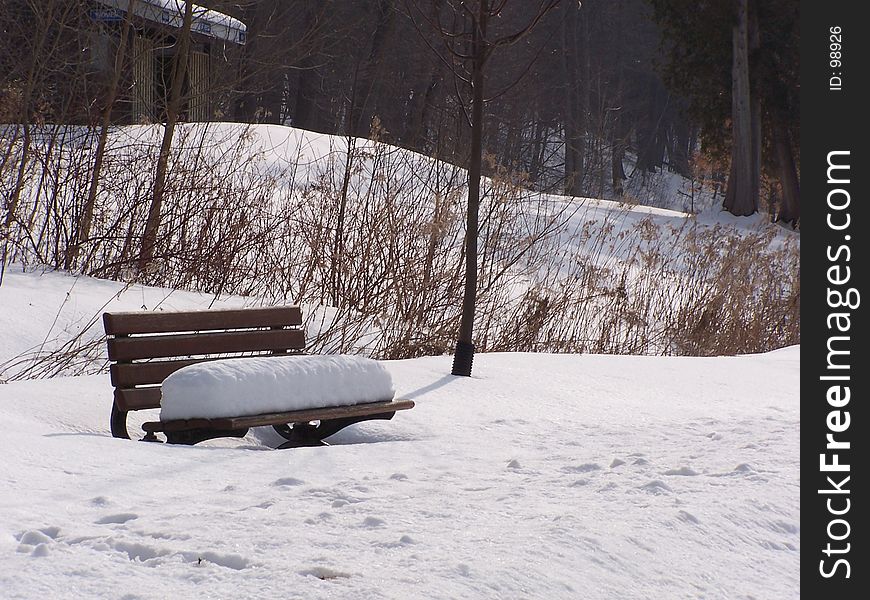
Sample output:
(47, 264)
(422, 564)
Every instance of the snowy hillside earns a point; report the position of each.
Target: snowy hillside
(543, 476)
(286, 215)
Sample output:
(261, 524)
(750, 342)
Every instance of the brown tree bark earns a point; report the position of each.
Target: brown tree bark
(741, 196)
(364, 104)
(574, 117)
(84, 229)
(788, 177)
(173, 108)
(464, 355)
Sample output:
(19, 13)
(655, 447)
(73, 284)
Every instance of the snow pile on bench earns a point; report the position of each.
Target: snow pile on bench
(238, 387)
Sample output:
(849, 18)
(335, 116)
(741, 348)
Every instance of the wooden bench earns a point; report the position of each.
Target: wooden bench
(146, 347)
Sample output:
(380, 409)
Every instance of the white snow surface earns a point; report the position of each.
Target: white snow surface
(251, 386)
(542, 476)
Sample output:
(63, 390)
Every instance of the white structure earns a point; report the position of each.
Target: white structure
(156, 23)
(170, 13)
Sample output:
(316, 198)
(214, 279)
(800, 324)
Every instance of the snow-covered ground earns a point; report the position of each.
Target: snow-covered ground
(543, 476)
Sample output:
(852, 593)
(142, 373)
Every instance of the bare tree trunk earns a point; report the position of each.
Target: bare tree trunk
(574, 110)
(464, 355)
(84, 229)
(754, 43)
(338, 243)
(39, 56)
(680, 148)
(788, 178)
(362, 109)
(741, 197)
(414, 134)
(173, 108)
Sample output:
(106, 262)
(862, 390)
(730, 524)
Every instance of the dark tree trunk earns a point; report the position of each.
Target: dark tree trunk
(414, 133)
(617, 154)
(574, 116)
(308, 110)
(173, 108)
(84, 230)
(680, 148)
(538, 149)
(741, 196)
(464, 355)
(788, 178)
(261, 74)
(364, 104)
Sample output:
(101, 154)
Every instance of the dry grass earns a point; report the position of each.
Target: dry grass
(377, 234)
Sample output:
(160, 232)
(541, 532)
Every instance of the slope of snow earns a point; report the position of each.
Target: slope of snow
(543, 476)
(46, 313)
(253, 386)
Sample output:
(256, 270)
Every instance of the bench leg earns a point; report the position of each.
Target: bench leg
(299, 435)
(118, 422)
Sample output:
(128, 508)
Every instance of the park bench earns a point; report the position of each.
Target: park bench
(146, 347)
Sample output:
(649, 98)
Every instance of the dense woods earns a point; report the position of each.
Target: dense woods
(590, 85)
(564, 105)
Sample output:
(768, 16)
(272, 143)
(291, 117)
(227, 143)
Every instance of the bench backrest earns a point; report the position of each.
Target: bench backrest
(146, 347)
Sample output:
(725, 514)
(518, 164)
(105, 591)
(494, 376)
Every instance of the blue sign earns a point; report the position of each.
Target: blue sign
(106, 15)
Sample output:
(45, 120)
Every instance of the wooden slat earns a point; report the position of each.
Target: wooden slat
(145, 373)
(138, 398)
(148, 373)
(315, 414)
(297, 416)
(126, 323)
(165, 346)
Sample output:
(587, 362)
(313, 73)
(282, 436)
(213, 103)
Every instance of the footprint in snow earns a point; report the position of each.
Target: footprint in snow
(617, 462)
(324, 516)
(405, 540)
(33, 537)
(398, 476)
(324, 573)
(584, 468)
(117, 519)
(373, 522)
(784, 527)
(287, 482)
(137, 552)
(235, 562)
(682, 471)
(656, 487)
(514, 464)
(688, 517)
(741, 469)
(37, 541)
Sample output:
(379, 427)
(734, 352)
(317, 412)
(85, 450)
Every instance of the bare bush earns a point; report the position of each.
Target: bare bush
(375, 233)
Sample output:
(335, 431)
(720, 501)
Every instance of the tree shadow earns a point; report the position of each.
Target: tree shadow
(430, 387)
